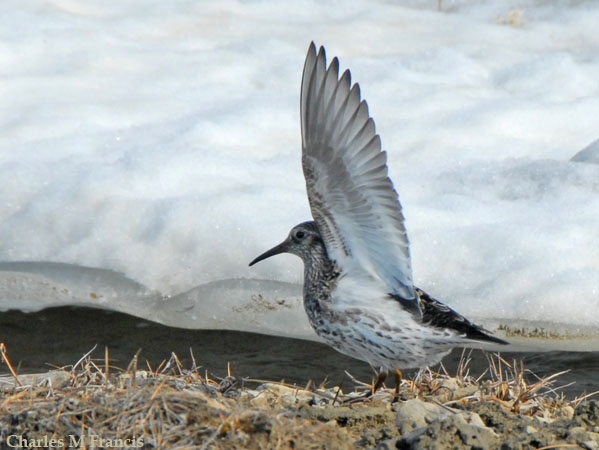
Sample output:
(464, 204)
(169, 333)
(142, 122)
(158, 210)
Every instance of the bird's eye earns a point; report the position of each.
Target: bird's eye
(300, 234)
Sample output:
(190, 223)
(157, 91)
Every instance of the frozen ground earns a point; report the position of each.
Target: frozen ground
(159, 142)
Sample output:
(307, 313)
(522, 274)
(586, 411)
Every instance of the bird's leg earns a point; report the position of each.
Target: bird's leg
(380, 379)
(397, 384)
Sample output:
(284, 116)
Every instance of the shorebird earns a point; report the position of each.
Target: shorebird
(358, 290)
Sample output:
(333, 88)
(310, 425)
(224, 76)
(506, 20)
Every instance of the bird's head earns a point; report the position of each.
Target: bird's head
(302, 240)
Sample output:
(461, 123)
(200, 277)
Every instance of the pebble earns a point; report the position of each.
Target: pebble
(415, 414)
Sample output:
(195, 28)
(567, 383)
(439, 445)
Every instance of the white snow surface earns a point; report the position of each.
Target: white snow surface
(150, 150)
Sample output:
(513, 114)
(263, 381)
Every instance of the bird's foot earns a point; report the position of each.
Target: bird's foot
(382, 376)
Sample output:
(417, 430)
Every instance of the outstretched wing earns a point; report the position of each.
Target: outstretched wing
(351, 197)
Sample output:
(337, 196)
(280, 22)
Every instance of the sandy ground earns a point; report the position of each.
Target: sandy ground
(95, 405)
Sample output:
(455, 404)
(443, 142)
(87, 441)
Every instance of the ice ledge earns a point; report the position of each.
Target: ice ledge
(259, 306)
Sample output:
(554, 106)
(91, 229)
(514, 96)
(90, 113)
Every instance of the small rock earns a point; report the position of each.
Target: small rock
(449, 432)
(450, 389)
(465, 391)
(585, 439)
(450, 384)
(530, 429)
(567, 411)
(416, 414)
(477, 437)
(471, 418)
(387, 444)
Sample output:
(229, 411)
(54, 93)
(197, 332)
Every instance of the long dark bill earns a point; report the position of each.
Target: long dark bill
(281, 248)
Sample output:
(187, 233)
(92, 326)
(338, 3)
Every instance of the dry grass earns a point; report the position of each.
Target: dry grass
(166, 407)
(507, 384)
(174, 407)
